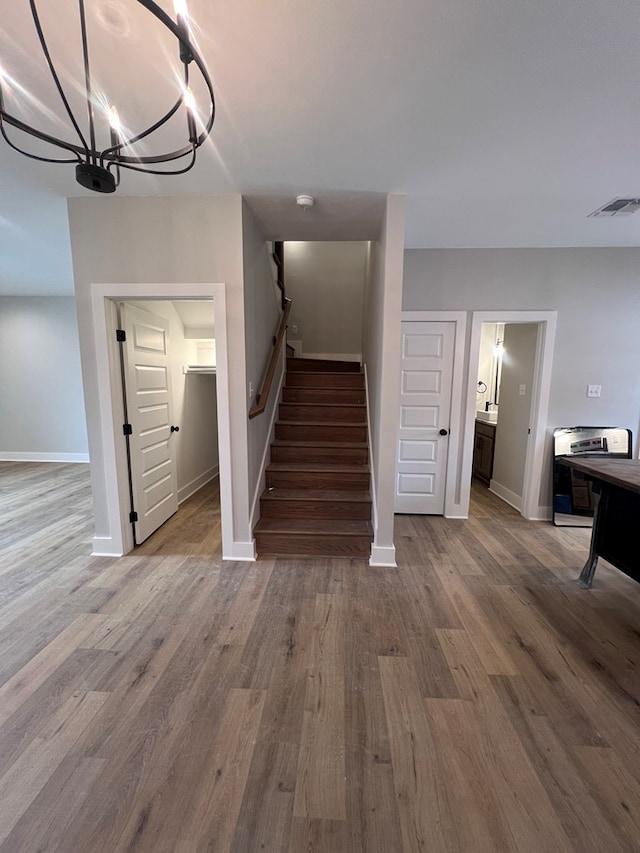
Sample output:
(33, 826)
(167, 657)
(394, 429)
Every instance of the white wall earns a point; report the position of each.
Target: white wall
(325, 281)
(262, 315)
(193, 404)
(41, 406)
(514, 411)
(381, 357)
(162, 240)
(596, 293)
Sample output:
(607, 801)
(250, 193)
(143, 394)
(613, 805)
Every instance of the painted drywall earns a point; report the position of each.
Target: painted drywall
(488, 365)
(162, 240)
(596, 293)
(193, 403)
(514, 411)
(261, 316)
(381, 357)
(42, 413)
(325, 282)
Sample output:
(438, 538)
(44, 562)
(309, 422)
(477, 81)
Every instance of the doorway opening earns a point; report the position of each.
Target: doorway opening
(110, 455)
(504, 408)
(507, 403)
(168, 371)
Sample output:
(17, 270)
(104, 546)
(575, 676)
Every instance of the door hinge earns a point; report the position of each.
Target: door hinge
(127, 429)
(133, 516)
(121, 336)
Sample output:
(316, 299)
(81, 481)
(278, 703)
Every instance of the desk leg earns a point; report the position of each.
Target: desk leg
(589, 569)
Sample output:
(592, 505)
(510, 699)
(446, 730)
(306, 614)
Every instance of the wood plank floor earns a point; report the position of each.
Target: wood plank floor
(473, 699)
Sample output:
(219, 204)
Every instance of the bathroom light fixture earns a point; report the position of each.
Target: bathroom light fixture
(99, 145)
(498, 349)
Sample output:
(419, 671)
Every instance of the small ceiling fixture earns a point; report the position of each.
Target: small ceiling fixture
(98, 163)
(305, 201)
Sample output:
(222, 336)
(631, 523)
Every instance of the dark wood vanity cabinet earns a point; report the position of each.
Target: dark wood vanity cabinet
(483, 449)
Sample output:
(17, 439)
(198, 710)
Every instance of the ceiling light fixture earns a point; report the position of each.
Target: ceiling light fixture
(97, 167)
(305, 201)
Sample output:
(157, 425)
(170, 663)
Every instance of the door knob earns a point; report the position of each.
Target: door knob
(175, 429)
(444, 432)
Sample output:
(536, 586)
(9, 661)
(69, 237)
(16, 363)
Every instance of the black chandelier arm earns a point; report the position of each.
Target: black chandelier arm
(163, 160)
(171, 25)
(15, 147)
(44, 137)
(54, 74)
(113, 152)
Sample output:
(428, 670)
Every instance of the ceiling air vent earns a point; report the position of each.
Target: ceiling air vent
(618, 207)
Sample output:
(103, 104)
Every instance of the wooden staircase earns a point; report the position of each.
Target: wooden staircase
(317, 500)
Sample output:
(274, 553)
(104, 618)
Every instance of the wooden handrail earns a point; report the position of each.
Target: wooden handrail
(262, 396)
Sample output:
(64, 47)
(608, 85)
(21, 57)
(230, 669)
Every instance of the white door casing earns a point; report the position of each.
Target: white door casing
(426, 378)
(148, 399)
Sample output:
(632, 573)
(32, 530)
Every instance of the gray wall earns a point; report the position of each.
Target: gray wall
(325, 282)
(41, 405)
(381, 357)
(596, 293)
(164, 240)
(262, 315)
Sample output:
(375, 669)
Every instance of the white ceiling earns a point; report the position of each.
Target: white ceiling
(505, 122)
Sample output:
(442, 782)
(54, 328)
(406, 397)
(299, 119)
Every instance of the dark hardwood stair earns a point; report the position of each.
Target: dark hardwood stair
(317, 501)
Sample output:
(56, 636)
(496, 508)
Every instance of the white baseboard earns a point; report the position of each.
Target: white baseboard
(542, 513)
(104, 546)
(383, 556)
(241, 551)
(506, 495)
(197, 483)
(20, 456)
(457, 514)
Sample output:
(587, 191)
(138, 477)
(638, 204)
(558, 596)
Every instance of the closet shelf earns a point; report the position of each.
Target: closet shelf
(199, 368)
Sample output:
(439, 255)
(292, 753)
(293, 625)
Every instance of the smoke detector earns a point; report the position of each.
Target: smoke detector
(305, 201)
(618, 207)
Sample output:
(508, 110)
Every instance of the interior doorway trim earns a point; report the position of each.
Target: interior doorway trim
(456, 417)
(104, 298)
(535, 461)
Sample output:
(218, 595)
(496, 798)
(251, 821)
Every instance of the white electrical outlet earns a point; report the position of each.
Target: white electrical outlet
(250, 390)
(294, 329)
(523, 390)
(594, 390)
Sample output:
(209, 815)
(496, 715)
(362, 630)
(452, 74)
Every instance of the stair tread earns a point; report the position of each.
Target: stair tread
(324, 404)
(318, 526)
(357, 495)
(349, 445)
(356, 424)
(319, 467)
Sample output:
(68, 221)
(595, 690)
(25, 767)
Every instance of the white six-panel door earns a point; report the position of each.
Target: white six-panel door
(426, 378)
(148, 397)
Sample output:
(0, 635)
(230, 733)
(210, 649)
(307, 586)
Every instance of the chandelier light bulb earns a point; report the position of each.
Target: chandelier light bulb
(114, 120)
(180, 8)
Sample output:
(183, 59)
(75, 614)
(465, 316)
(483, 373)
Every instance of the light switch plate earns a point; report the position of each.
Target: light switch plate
(523, 390)
(594, 390)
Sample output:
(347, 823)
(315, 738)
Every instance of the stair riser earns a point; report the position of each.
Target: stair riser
(324, 380)
(319, 432)
(296, 365)
(323, 395)
(335, 414)
(315, 455)
(278, 545)
(317, 480)
(357, 510)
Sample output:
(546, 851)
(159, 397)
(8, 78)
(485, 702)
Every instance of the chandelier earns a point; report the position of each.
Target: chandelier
(95, 138)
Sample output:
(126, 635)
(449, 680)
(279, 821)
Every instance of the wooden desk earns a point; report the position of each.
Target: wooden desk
(616, 521)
